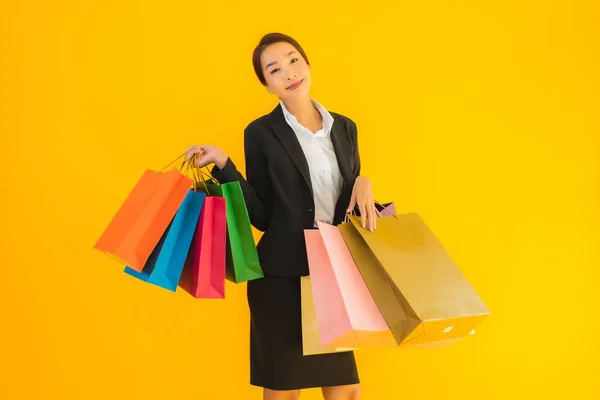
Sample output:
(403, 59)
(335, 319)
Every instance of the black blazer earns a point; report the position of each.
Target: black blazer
(278, 190)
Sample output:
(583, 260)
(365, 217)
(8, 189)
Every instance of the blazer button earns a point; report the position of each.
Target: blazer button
(309, 210)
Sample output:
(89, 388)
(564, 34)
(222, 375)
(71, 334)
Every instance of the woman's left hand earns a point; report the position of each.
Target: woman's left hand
(362, 195)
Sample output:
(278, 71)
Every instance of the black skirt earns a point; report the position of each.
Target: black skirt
(276, 359)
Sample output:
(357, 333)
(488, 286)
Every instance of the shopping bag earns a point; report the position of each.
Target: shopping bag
(165, 265)
(203, 274)
(386, 209)
(346, 311)
(311, 343)
(138, 225)
(242, 263)
(421, 293)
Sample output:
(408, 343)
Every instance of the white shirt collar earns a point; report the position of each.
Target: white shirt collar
(327, 118)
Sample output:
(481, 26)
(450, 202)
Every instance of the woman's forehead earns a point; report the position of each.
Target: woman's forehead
(277, 51)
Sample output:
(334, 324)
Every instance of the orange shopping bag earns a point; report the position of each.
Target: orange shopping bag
(144, 216)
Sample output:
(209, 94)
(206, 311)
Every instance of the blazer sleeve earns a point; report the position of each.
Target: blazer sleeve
(356, 154)
(256, 187)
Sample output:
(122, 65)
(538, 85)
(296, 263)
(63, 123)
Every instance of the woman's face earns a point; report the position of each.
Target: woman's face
(286, 72)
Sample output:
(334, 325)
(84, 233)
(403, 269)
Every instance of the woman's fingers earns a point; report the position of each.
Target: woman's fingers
(202, 160)
(373, 217)
(368, 215)
(363, 214)
(190, 151)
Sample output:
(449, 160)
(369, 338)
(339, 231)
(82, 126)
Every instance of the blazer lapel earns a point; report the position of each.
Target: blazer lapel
(343, 150)
(339, 139)
(288, 138)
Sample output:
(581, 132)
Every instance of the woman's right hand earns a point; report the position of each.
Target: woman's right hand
(207, 155)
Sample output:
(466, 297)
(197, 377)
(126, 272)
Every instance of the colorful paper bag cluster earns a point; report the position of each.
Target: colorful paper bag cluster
(170, 234)
(402, 269)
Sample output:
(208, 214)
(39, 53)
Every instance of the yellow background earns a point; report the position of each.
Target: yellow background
(481, 116)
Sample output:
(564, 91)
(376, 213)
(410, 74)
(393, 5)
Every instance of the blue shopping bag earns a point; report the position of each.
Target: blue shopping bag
(165, 264)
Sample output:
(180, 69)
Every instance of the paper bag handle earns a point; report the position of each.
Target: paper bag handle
(379, 213)
(347, 216)
(171, 163)
(197, 174)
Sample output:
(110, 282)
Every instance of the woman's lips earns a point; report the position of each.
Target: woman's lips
(295, 86)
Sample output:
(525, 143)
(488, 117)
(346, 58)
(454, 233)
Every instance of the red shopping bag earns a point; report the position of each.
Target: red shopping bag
(204, 271)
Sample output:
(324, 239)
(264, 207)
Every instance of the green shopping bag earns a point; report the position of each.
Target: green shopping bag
(242, 257)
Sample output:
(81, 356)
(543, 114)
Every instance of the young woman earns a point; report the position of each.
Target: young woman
(302, 166)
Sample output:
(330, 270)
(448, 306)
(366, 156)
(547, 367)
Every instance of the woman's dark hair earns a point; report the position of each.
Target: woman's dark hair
(267, 40)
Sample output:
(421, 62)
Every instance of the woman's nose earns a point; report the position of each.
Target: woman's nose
(290, 75)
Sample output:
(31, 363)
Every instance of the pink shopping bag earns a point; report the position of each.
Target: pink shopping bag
(346, 312)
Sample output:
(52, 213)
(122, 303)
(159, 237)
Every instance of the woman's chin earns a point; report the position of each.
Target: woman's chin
(296, 94)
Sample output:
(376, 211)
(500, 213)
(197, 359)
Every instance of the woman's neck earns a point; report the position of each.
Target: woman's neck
(306, 113)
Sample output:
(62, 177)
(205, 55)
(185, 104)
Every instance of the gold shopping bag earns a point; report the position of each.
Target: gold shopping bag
(421, 293)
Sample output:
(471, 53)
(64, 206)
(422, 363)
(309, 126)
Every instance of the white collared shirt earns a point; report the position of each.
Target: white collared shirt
(322, 162)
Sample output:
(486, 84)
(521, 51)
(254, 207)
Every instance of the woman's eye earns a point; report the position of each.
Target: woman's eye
(294, 60)
(274, 70)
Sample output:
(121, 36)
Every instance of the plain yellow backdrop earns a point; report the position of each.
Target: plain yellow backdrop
(481, 116)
